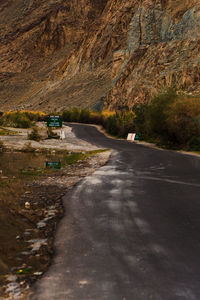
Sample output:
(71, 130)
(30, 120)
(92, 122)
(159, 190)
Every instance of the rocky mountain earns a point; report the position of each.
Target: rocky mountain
(62, 53)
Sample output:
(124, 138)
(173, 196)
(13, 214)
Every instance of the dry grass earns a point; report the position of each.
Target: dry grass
(35, 113)
(108, 113)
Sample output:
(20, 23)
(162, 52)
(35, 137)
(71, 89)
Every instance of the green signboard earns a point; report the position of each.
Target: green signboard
(53, 164)
(137, 137)
(54, 121)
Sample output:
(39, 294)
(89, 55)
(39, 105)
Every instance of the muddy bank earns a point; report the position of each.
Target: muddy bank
(31, 206)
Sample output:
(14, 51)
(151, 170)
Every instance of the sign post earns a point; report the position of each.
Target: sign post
(54, 121)
(137, 138)
(53, 165)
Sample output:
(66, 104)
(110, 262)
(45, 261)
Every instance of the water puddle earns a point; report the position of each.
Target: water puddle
(25, 210)
(31, 190)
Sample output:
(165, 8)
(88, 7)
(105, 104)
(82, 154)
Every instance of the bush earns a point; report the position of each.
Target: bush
(120, 124)
(16, 119)
(170, 119)
(155, 116)
(193, 144)
(21, 119)
(140, 111)
(71, 115)
(183, 119)
(22, 122)
(84, 116)
(51, 134)
(34, 135)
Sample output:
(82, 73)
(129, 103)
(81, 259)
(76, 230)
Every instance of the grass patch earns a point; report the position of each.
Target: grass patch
(4, 132)
(31, 172)
(73, 158)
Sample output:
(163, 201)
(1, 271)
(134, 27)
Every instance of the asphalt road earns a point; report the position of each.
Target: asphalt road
(131, 230)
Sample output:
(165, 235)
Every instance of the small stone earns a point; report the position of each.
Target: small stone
(25, 253)
(27, 205)
(41, 224)
(38, 273)
(12, 278)
(27, 233)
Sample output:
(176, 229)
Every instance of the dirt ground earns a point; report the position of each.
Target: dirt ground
(20, 141)
(39, 210)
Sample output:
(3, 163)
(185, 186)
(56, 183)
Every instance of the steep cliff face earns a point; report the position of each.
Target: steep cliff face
(163, 49)
(58, 53)
(36, 36)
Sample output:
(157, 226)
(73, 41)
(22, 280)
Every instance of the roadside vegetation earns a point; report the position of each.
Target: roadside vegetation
(115, 123)
(21, 119)
(170, 120)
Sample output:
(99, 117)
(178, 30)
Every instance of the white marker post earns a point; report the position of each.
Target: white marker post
(62, 134)
(131, 137)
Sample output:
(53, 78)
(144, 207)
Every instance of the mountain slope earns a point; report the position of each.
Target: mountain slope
(57, 54)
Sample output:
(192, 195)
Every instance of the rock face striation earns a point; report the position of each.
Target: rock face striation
(58, 54)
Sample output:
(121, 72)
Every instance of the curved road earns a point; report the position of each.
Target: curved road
(131, 230)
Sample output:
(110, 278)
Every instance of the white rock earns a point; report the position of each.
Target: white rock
(27, 205)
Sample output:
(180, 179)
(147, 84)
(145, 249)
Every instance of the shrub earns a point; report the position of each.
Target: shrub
(21, 119)
(140, 111)
(183, 119)
(120, 124)
(193, 144)
(71, 115)
(16, 119)
(34, 135)
(84, 116)
(66, 115)
(170, 119)
(51, 134)
(22, 122)
(155, 115)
